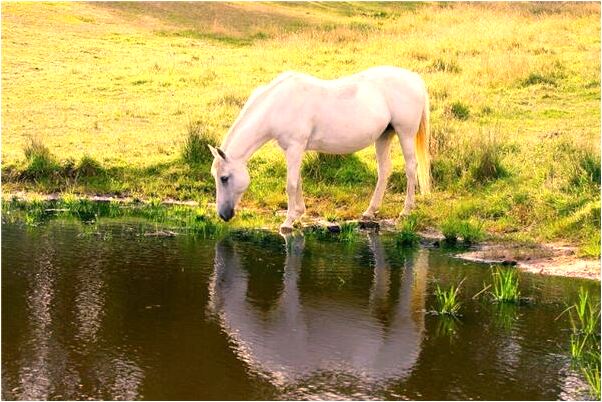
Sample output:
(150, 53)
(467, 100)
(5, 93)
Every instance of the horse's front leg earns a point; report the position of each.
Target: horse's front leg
(296, 206)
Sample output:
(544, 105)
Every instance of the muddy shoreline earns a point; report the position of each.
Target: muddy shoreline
(540, 258)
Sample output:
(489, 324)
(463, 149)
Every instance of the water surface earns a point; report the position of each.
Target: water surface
(105, 312)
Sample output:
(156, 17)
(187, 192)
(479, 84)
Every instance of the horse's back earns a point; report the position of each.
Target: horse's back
(348, 113)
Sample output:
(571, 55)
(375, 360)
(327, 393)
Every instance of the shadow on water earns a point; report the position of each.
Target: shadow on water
(258, 316)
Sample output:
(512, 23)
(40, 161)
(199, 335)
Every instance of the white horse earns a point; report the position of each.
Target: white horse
(340, 116)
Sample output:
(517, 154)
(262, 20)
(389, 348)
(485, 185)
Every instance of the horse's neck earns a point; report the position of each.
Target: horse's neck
(246, 137)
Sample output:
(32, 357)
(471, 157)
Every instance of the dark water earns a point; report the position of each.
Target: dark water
(117, 315)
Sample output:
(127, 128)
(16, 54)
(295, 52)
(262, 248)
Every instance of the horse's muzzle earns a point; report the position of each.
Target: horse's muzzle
(226, 214)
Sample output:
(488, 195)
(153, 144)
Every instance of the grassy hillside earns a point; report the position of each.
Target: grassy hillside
(100, 98)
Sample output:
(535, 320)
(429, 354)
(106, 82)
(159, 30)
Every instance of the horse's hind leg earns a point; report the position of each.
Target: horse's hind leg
(383, 157)
(407, 139)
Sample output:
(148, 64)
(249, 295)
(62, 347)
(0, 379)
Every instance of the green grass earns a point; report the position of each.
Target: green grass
(515, 122)
(348, 233)
(447, 300)
(407, 233)
(584, 317)
(505, 286)
(591, 373)
(460, 111)
(193, 220)
(454, 228)
(195, 150)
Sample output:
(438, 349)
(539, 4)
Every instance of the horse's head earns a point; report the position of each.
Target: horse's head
(231, 181)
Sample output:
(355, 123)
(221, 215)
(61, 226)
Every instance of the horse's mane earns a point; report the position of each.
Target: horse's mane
(258, 94)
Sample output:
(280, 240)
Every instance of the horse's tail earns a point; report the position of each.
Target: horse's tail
(422, 150)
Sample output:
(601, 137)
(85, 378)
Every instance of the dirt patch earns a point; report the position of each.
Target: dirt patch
(545, 259)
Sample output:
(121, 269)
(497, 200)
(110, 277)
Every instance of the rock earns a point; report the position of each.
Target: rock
(509, 262)
(367, 224)
(161, 233)
(333, 227)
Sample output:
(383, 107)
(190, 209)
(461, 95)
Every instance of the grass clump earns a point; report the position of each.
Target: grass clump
(505, 286)
(195, 150)
(591, 373)
(537, 78)
(348, 232)
(584, 170)
(464, 160)
(88, 167)
(591, 248)
(471, 232)
(486, 162)
(40, 162)
(460, 110)
(447, 299)
(446, 66)
(450, 229)
(407, 235)
(584, 316)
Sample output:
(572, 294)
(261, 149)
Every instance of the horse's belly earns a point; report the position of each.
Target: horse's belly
(340, 143)
(349, 121)
(344, 135)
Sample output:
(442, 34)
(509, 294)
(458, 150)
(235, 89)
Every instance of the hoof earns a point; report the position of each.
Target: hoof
(368, 215)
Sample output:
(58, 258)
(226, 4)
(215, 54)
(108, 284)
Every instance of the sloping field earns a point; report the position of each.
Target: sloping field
(111, 90)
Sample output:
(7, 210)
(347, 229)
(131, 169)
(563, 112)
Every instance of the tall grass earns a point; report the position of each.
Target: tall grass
(584, 316)
(591, 373)
(454, 228)
(88, 167)
(407, 234)
(40, 163)
(195, 149)
(505, 286)
(447, 299)
(349, 232)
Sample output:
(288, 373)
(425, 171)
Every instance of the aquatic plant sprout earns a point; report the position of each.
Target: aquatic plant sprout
(505, 286)
(584, 316)
(447, 300)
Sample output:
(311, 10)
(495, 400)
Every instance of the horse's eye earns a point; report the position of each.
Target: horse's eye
(224, 179)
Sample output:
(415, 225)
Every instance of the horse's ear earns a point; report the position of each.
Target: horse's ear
(217, 153)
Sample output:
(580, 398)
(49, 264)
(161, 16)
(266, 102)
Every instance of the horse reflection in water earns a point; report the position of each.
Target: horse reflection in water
(303, 338)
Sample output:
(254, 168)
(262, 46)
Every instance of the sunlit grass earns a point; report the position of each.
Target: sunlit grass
(447, 299)
(591, 372)
(407, 232)
(515, 121)
(584, 343)
(504, 287)
(585, 315)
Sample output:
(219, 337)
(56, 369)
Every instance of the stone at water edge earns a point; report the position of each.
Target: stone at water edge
(368, 224)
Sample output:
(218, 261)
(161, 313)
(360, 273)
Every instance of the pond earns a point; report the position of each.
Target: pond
(104, 312)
